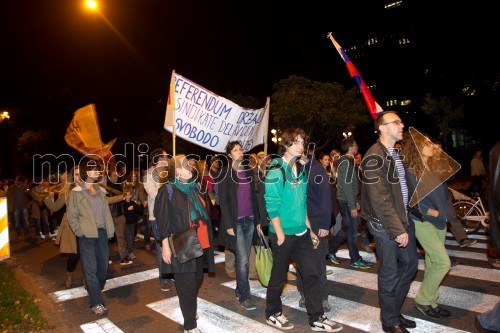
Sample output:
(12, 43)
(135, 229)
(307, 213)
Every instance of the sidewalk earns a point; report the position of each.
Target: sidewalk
(28, 262)
(40, 269)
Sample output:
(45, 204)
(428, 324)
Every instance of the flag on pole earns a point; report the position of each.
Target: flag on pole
(169, 115)
(373, 107)
(84, 135)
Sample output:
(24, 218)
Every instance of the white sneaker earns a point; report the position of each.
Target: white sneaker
(323, 324)
(99, 310)
(280, 321)
(42, 236)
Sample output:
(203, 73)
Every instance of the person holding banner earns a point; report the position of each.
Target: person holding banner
(239, 217)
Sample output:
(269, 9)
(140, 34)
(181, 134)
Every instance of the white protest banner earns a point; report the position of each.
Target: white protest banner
(211, 121)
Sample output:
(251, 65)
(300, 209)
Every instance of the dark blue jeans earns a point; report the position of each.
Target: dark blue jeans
(396, 270)
(347, 232)
(244, 236)
(300, 249)
(94, 256)
(21, 221)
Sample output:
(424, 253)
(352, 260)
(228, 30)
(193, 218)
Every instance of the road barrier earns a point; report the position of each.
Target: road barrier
(4, 230)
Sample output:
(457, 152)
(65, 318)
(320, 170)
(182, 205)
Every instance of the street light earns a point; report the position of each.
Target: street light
(276, 136)
(4, 116)
(91, 4)
(346, 135)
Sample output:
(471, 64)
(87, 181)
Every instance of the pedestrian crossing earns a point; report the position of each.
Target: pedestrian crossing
(355, 312)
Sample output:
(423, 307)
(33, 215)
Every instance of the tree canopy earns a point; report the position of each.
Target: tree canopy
(324, 110)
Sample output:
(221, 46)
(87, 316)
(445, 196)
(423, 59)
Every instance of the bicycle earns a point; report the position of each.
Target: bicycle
(471, 212)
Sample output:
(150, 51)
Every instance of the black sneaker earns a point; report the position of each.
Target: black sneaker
(323, 324)
(302, 302)
(126, 262)
(428, 311)
(442, 312)
(467, 242)
(248, 305)
(280, 321)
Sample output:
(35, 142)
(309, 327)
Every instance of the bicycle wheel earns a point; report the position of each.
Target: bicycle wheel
(464, 210)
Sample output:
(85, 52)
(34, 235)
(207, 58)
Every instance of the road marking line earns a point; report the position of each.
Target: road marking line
(481, 236)
(349, 313)
(101, 326)
(73, 293)
(475, 246)
(459, 298)
(481, 256)
(212, 317)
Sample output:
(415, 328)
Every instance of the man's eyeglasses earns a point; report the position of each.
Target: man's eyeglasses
(397, 122)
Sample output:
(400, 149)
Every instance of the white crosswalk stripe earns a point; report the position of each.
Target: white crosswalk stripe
(346, 312)
(103, 325)
(212, 317)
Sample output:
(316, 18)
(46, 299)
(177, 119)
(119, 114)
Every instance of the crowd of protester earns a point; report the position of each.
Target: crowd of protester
(318, 201)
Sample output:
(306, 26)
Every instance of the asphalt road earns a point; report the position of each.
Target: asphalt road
(136, 303)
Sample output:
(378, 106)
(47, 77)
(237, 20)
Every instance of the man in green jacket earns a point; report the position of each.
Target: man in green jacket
(290, 234)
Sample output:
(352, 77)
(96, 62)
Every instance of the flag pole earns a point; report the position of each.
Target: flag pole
(173, 114)
(170, 117)
(266, 123)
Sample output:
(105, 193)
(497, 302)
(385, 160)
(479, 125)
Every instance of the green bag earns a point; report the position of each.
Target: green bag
(263, 260)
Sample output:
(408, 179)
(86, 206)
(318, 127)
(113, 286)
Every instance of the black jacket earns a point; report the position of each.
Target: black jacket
(228, 201)
(494, 195)
(172, 218)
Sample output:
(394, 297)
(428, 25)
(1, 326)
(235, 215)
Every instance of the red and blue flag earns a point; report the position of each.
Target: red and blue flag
(372, 105)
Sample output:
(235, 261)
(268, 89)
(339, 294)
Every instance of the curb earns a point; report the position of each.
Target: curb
(50, 311)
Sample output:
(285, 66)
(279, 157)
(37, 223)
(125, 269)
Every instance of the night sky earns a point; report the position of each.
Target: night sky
(56, 56)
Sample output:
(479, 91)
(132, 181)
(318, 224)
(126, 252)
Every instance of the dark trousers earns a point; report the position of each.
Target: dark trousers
(476, 184)
(300, 249)
(187, 285)
(146, 224)
(396, 270)
(320, 253)
(129, 237)
(457, 230)
(72, 261)
(347, 232)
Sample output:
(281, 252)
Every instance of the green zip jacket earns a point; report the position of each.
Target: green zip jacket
(286, 200)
